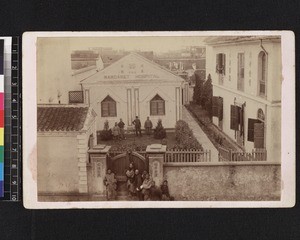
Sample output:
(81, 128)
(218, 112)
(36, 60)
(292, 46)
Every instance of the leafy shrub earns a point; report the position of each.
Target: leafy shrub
(106, 133)
(184, 137)
(159, 131)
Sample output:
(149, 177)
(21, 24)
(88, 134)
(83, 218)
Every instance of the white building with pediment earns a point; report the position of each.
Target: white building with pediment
(135, 86)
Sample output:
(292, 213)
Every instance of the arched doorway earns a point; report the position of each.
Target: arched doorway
(119, 163)
(259, 130)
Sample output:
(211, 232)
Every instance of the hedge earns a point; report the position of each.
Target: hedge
(184, 137)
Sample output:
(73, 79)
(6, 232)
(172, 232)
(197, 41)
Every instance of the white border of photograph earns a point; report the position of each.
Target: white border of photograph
(288, 188)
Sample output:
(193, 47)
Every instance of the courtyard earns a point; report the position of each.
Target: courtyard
(139, 143)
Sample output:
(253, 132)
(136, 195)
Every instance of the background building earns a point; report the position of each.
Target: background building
(246, 74)
(135, 86)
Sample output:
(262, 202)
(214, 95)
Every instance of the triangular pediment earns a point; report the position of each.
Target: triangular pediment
(133, 67)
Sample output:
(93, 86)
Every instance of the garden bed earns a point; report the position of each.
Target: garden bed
(215, 135)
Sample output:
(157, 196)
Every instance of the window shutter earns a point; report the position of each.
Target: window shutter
(153, 108)
(258, 135)
(251, 123)
(241, 120)
(112, 109)
(160, 108)
(217, 62)
(220, 108)
(234, 117)
(223, 63)
(215, 107)
(104, 109)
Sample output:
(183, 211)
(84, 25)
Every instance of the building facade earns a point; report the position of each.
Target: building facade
(135, 86)
(64, 136)
(246, 77)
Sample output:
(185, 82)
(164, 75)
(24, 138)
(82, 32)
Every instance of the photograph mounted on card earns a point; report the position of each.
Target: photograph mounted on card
(189, 119)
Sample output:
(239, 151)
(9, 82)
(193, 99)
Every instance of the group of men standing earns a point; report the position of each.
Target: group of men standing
(119, 132)
(144, 188)
(140, 186)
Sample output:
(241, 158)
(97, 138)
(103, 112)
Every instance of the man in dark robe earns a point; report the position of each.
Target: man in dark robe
(155, 193)
(137, 124)
(165, 192)
(148, 126)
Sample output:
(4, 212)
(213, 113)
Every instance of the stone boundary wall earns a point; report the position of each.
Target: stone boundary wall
(224, 182)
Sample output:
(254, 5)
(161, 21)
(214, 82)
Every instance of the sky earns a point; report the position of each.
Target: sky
(156, 44)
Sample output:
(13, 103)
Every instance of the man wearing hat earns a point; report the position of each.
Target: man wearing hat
(137, 124)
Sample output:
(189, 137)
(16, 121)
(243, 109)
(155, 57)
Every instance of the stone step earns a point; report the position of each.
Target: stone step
(122, 193)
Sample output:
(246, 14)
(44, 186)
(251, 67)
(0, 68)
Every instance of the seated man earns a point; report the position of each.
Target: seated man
(147, 183)
(165, 192)
(111, 185)
(155, 192)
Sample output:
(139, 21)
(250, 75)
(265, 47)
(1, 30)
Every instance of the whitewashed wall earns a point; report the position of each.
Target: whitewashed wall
(135, 101)
(57, 164)
(270, 105)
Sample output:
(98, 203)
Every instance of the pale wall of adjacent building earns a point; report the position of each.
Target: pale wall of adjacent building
(54, 74)
(57, 164)
(53, 70)
(271, 104)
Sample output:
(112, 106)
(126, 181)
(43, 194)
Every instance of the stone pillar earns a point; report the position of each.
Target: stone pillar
(98, 156)
(82, 163)
(156, 153)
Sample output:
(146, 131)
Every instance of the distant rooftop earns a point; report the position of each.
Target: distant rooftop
(61, 118)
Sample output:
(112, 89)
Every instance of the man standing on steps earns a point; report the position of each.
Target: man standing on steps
(121, 125)
(137, 123)
(148, 126)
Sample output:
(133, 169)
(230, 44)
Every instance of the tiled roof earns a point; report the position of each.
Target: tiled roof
(109, 59)
(61, 118)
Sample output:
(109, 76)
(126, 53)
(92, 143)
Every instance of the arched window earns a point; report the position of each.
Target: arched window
(262, 73)
(260, 115)
(108, 107)
(157, 106)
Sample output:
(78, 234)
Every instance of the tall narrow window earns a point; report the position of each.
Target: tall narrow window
(157, 106)
(241, 71)
(221, 66)
(108, 107)
(262, 73)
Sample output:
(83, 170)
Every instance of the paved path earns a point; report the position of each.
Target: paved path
(199, 134)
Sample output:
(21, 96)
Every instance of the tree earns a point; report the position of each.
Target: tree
(207, 94)
(198, 89)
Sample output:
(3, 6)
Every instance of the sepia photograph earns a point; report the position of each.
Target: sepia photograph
(133, 119)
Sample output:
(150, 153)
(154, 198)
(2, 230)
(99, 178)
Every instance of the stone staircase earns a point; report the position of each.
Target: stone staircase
(122, 193)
